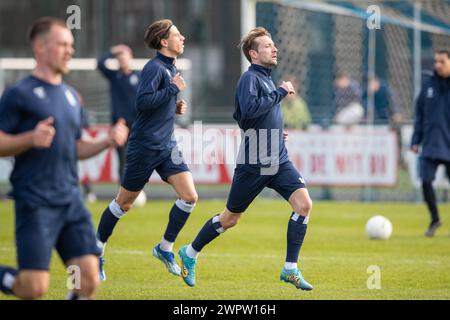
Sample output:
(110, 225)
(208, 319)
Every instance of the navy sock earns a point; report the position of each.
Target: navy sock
(296, 232)
(74, 296)
(211, 230)
(108, 221)
(7, 276)
(177, 219)
(430, 199)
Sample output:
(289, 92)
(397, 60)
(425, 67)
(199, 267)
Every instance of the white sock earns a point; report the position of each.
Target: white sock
(191, 252)
(166, 245)
(290, 265)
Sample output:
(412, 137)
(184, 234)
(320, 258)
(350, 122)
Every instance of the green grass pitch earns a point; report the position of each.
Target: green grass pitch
(244, 263)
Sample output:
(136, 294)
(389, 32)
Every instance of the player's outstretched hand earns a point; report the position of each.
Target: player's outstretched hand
(285, 136)
(119, 133)
(287, 85)
(415, 148)
(43, 133)
(179, 82)
(181, 107)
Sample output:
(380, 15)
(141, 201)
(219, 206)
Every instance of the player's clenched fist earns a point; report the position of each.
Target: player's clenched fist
(181, 107)
(119, 133)
(415, 148)
(179, 81)
(43, 133)
(287, 85)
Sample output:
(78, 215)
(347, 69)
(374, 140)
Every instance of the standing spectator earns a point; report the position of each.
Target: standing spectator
(385, 109)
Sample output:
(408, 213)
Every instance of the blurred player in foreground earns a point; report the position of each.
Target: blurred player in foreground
(40, 125)
(258, 113)
(123, 85)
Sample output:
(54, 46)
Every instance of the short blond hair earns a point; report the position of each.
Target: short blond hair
(248, 42)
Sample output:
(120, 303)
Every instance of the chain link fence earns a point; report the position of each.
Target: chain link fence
(326, 47)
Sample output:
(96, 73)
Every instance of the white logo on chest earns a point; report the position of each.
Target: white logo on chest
(430, 92)
(134, 80)
(70, 98)
(39, 92)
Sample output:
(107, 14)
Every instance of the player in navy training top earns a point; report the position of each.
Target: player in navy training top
(40, 125)
(152, 145)
(123, 87)
(263, 160)
(89, 193)
(432, 132)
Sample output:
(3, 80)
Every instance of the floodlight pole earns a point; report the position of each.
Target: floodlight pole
(371, 76)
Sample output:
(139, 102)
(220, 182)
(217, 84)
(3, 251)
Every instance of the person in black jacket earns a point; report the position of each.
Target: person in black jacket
(432, 131)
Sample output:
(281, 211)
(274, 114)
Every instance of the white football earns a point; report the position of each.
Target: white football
(379, 227)
(140, 200)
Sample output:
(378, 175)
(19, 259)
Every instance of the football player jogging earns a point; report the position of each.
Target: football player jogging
(152, 145)
(258, 113)
(40, 125)
(432, 132)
